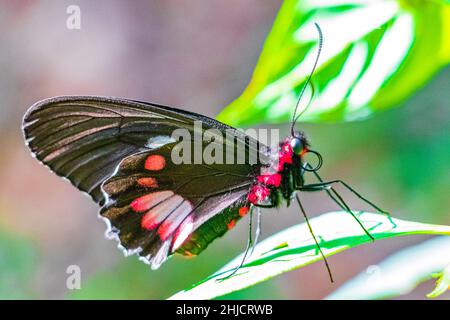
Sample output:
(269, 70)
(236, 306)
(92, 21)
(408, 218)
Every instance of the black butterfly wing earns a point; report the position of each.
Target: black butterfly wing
(84, 138)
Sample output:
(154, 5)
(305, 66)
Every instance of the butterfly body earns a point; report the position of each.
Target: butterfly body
(283, 177)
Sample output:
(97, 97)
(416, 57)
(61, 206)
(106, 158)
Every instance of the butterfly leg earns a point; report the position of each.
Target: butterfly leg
(247, 248)
(314, 236)
(330, 194)
(258, 229)
(340, 201)
(348, 187)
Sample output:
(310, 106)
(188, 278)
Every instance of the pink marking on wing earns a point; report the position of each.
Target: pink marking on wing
(156, 215)
(183, 232)
(243, 211)
(231, 224)
(155, 162)
(270, 179)
(148, 201)
(148, 182)
(174, 220)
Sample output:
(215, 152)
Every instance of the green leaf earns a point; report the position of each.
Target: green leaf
(294, 248)
(17, 263)
(399, 273)
(375, 54)
(442, 283)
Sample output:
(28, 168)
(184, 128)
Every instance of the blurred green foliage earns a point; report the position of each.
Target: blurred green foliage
(17, 265)
(376, 54)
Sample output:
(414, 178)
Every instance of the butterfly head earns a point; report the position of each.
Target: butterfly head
(299, 143)
(297, 146)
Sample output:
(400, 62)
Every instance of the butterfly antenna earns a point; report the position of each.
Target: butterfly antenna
(258, 229)
(295, 116)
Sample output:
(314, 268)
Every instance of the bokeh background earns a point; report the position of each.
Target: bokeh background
(198, 56)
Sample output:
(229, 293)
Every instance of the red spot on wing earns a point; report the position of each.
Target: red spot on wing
(155, 162)
(243, 211)
(148, 182)
(231, 224)
(188, 253)
(148, 201)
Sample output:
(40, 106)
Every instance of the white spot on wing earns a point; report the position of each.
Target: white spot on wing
(158, 141)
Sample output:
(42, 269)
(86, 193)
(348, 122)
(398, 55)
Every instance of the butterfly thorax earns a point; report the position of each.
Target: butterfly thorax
(283, 176)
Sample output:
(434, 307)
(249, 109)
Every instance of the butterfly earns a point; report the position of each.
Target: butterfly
(120, 152)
